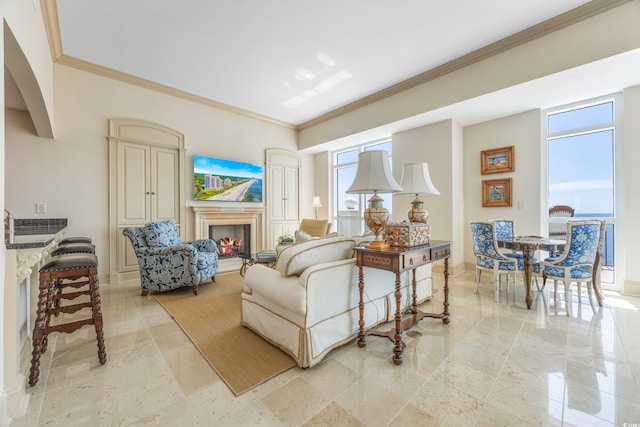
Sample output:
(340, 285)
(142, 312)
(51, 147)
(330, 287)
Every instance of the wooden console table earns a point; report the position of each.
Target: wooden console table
(399, 260)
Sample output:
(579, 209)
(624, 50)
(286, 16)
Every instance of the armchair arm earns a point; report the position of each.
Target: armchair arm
(204, 245)
(187, 249)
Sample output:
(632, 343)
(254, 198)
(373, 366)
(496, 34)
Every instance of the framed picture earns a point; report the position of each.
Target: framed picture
(497, 160)
(496, 192)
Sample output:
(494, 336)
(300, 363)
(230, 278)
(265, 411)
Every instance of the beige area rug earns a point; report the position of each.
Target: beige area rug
(212, 321)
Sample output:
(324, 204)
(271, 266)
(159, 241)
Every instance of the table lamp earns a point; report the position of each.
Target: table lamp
(315, 203)
(372, 176)
(416, 180)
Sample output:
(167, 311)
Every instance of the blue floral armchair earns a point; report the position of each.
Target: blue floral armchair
(166, 263)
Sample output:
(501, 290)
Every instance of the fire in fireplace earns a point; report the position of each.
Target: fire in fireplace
(231, 239)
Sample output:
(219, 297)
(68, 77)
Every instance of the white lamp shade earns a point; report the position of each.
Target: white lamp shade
(315, 203)
(416, 180)
(374, 174)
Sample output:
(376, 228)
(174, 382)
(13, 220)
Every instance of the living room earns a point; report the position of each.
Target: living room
(70, 172)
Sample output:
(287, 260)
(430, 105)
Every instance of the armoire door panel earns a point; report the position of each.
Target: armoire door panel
(164, 182)
(291, 204)
(133, 184)
(277, 193)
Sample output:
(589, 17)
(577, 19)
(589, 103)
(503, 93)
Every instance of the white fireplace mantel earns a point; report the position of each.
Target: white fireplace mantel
(214, 215)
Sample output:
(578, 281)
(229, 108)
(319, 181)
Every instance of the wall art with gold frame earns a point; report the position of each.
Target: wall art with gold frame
(497, 160)
(496, 192)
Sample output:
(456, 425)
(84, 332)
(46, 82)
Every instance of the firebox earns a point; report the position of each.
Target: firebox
(231, 239)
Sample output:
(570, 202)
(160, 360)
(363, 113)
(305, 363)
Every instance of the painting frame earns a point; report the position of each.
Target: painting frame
(497, 160)
(496, 193)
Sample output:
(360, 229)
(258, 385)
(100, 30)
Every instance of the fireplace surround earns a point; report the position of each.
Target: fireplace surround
(206, 216)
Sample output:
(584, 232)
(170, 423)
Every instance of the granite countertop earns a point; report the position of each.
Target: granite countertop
(36, 233)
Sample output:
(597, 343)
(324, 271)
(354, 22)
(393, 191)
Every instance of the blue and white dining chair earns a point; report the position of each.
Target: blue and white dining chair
(506, 229)
(489, 258)
(576, 262)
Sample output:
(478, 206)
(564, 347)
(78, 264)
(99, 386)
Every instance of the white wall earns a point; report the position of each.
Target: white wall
(631, 193)
(523, 132)
(71, 174)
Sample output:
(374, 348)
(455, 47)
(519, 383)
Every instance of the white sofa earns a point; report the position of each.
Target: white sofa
(308, 304)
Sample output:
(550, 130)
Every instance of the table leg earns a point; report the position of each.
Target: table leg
(399, 345)
(527, 256)
(445, 312)
(414, 295)
(361, 335)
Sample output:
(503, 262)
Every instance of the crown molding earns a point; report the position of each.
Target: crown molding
(588, 10)
(549, 26)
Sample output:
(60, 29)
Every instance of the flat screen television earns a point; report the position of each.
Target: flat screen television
(226, 180)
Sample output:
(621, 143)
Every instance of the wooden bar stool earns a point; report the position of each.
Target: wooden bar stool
(71, 267)
(74, 248)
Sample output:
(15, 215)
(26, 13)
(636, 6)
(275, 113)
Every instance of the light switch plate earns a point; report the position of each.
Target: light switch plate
(41, 208)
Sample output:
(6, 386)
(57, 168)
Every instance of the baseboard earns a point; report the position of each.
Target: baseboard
(631, 288)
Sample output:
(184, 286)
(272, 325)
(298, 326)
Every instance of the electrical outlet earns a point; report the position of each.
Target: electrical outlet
(41, 208)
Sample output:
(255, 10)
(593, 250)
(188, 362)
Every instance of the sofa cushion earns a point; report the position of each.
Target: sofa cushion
(297, 258)
(163, 233)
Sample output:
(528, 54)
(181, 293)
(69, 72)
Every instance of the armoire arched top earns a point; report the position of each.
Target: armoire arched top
(144, 132)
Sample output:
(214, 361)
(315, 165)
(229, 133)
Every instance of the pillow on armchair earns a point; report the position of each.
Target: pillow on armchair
(294, 259)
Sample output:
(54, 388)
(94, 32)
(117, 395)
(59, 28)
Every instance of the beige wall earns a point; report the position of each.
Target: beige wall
(439, 145)
(71, 174)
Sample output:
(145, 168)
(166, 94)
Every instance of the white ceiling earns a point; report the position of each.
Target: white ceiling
(293, 62)
(289, 60)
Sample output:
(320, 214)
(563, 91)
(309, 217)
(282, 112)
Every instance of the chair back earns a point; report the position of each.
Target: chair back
(559, 211)
(505, 228)
(583, 241)
(484, 240)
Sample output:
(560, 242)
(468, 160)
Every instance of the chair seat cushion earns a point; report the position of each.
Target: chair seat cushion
(576, 272)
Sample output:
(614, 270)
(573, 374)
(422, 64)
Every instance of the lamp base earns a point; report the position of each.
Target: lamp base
(378, 245)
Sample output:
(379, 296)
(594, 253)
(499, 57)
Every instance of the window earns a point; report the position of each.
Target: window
(349, 208)
(581, 157)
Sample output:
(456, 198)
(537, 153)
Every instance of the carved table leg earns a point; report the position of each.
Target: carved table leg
(527, 255)
(414, 296)
(445, 312)
(398, 348)
(361, 335)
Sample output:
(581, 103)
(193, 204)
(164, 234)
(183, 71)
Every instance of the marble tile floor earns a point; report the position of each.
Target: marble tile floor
(495, 364)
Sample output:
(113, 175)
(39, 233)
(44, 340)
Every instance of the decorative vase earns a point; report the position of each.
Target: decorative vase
(418, 213)
(376, 218)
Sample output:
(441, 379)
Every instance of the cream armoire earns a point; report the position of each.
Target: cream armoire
(283, 193)
(146, 184)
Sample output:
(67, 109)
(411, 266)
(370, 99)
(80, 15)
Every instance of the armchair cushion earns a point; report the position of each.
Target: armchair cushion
(164, 233)
(294, 259)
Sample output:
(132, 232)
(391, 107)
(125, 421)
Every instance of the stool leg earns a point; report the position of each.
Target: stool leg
(39, 328)
(52, 286)
(97, 313)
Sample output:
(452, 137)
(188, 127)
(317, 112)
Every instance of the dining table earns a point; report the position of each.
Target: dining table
(528, 245)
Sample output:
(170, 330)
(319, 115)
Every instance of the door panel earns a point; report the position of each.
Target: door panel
(164, 182)
(133, 184)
